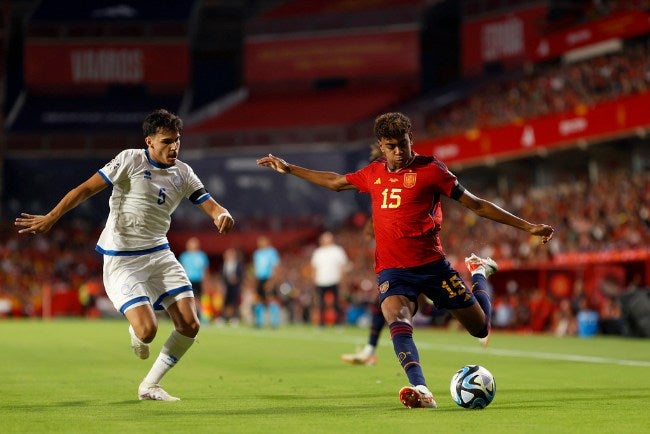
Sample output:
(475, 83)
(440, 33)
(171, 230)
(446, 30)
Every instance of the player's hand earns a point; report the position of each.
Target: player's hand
(224, 222)
(275, 163)
(544, 231)
(34, 224)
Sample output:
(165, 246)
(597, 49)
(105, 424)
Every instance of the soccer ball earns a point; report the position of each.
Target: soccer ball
(473, 386)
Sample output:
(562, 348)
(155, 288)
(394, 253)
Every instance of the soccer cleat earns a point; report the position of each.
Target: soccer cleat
(417, 397)
(153, 392)
(140, 348)
(475, 264)
(366, 356)
(360, 359)
(484, 341)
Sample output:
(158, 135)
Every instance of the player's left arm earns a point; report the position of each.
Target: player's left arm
(220, 215)
(489, 210)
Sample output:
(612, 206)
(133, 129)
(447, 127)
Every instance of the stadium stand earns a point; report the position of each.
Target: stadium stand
(548, 89)
(339, 63)
(593, 188)
(105, 54)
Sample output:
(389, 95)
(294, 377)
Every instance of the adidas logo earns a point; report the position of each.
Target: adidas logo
(378, 181)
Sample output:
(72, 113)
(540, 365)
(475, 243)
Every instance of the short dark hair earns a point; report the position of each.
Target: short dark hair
(392, 126)
(161, 118)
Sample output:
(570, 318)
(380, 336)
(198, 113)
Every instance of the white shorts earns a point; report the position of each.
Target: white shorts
(157, 279)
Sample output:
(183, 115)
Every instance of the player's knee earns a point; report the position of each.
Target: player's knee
(147, 332)
(189, 329)
(479, 332)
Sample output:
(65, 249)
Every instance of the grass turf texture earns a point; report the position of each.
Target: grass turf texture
(75, 376)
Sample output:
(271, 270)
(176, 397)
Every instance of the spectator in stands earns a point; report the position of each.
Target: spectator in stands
(405, 190)
(196, 264)
(265, 261)
(140, 272)
(563, 321)
(329, 264)
(548, 89)
(232, 273)
(611, 320)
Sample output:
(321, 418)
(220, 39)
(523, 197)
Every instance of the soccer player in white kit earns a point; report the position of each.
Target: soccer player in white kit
(140, 271)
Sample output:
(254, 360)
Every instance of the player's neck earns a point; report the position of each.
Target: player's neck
(397, 169)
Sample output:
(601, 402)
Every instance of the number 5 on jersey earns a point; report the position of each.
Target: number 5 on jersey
(162, 197)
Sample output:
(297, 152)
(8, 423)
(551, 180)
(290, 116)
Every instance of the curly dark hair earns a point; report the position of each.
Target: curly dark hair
(392, 126)
(161, 118)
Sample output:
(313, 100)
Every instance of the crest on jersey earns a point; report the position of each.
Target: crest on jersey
(112, 165)
(409, 179)
(384, 287)
(177, 181)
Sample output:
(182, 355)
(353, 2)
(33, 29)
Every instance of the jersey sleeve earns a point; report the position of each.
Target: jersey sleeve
(359, 179)
(446, 181)
(196, 191)
(118, 168)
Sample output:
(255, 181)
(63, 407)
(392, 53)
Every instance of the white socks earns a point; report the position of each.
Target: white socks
(368, 350)
(172, 350)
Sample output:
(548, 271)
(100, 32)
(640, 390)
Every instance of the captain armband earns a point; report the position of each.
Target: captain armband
(457, 191)
(199, 196)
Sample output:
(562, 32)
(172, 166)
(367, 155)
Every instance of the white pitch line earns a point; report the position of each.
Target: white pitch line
(326, 336)
(536, 355)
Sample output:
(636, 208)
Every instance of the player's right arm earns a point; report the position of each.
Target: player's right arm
(31, 223)
(331, 180)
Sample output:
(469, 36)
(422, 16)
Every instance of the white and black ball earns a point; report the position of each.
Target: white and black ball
(473, 386)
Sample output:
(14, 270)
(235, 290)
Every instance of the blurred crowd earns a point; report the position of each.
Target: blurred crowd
(604, 213)
(63, 262)
(546, 90)
(612, 213)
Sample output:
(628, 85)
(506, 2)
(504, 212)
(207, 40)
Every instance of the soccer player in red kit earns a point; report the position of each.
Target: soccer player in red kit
(405, 190)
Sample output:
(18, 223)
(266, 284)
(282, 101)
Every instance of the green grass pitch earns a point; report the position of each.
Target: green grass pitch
(76, 376)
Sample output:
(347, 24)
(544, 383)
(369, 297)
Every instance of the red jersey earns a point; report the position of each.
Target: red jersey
(406, 209)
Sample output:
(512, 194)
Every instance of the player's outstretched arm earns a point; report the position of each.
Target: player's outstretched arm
(31, 223)
(489, 210)
(331, 180)
(220, 215)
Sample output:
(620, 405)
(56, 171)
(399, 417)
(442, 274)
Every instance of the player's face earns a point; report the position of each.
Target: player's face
(397, 151)
(164, 146)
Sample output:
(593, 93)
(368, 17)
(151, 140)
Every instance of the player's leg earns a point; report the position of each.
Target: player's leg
(186, 327)
(425, 305)
(171, 290)
(233, 300)
(123, 277)
(320, 304)
(259, 308)
(368, 356)
(473, 319)
(337, 305)
(275, 310)
(481, 269)
(229, 304)
(398, 311)
(143, 327)
(197, 287)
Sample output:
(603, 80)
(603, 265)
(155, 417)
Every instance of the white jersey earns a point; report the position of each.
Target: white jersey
(145, 194)
(329, 263)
